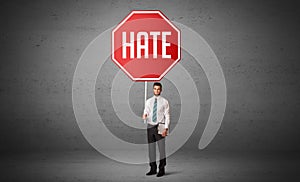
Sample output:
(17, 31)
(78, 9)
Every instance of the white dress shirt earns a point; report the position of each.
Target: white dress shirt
(163, 111)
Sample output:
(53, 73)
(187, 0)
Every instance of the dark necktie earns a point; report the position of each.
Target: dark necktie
(154, 111)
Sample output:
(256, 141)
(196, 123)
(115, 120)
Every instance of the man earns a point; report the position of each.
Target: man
(156, 113)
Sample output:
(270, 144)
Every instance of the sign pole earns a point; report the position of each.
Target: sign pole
(145, 120)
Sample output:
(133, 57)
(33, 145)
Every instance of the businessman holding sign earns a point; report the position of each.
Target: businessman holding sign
(157, 114)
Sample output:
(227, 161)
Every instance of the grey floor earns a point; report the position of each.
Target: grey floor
(183, 165)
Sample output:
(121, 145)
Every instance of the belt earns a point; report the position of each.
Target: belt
(150, 125)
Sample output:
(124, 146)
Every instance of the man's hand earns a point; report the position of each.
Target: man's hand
(144, 116)
(165, 132)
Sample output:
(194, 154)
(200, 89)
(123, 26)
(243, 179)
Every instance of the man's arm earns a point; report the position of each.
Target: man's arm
(167, 119)
(146, 110)
(167, 115)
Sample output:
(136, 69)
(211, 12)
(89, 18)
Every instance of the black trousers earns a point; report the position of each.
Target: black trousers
(153, 138)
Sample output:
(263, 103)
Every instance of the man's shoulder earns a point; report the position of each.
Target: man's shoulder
(149, 99)
(164, 99)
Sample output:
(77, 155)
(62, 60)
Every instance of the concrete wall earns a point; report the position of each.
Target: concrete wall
(256, 43)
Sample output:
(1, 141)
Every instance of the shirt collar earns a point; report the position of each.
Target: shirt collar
(156, 96)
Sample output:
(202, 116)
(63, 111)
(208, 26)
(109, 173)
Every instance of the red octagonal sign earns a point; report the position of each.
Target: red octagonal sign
(146, 45)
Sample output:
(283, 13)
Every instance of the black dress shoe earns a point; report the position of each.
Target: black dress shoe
(161, 173)
(151, 172)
